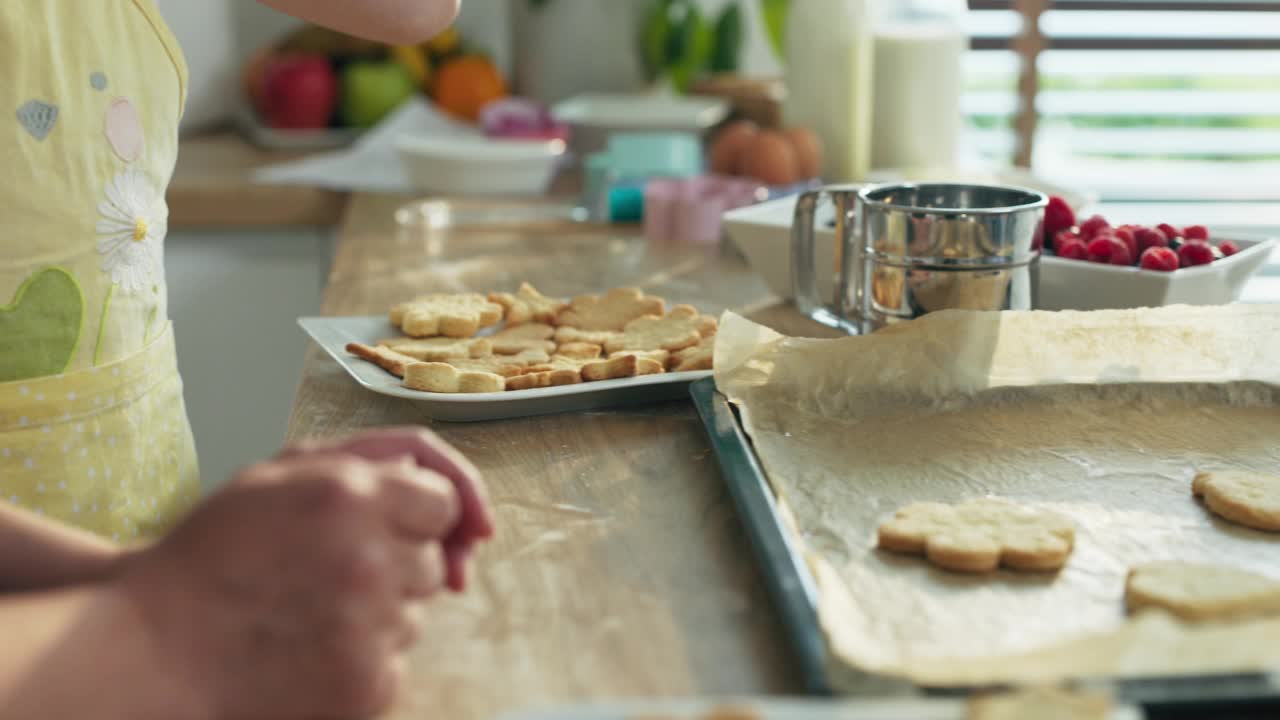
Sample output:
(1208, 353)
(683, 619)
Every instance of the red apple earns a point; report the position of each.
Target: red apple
(299, 92)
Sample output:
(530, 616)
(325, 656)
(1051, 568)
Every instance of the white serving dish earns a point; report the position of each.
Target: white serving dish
(479, 166)
(333, 334)
(594, 117)
(763, 234)
(777, 709)
(1079, 285)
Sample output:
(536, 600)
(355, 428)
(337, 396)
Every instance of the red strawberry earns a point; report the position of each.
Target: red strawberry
(1058, 216)
(1125, 235)
(1196, 232)
(1108, 250)
(1195, 253)
(1149, 238)
(1169, 231)
(1089, 228)
(1159, 258)
(1074, 249)
(1228, 248)
(1061, 237)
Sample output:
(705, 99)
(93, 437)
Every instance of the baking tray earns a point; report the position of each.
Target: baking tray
(793, 590)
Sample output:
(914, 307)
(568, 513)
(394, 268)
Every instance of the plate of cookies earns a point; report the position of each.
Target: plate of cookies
(471, 356)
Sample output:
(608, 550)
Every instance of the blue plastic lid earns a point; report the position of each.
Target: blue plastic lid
(626, 203)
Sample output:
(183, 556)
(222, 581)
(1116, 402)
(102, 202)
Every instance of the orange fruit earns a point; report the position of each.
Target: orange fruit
(465, 85)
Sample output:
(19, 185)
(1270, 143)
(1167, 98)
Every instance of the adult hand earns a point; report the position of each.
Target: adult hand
(292, 591)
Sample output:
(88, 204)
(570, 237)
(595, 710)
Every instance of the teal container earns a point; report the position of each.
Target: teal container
(614, 179)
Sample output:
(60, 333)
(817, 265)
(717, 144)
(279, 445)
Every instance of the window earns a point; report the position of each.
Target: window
(1137, 99)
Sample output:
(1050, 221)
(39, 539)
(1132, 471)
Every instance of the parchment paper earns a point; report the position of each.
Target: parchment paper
(1103, 417)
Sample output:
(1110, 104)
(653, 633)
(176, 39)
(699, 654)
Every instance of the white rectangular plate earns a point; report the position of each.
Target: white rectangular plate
(333, 334)
(884, 709)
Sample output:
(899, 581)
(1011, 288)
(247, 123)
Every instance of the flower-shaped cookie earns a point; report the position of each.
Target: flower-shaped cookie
(979, 535)
(611, 311)
(459, 316)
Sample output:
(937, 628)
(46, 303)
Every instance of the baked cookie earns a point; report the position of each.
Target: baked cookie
(622, 366)
(1040, 704)
(678, 329)
(445, 378)
(530, 336)
(662, 356)
(979, 535)
(696, 357)
(1245, 498)
(458, 316)
(439, 348)
(560, 370)
(384, 357)
(611, 311)
(584, 350)
(528, 305)
(1201, 592)
(567, 335)
(504, 365)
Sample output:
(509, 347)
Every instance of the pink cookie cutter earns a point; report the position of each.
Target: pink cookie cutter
(688, 210)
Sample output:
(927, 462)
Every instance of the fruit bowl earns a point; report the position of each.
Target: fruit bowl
(1077, 285)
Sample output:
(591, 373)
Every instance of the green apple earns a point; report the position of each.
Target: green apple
(371, 90)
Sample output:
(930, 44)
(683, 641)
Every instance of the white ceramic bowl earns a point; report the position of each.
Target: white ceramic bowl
(479, 166)
(763, 234)
(1080, 285)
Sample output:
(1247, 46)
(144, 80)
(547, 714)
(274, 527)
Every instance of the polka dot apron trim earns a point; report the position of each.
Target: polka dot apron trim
(56, 399)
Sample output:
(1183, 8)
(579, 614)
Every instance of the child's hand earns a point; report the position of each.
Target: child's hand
(293, 591)
(432, 453)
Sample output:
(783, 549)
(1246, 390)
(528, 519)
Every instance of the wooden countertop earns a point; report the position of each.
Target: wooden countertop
(212, 188)
(620, 567)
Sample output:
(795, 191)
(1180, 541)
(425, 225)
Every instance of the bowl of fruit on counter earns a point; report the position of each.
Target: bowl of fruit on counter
(1097, 262)
(318, 88)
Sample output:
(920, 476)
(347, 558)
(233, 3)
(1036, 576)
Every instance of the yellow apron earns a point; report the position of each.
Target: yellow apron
(93, 429)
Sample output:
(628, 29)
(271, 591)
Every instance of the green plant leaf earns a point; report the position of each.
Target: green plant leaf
(774, 13)
(653, 38)
(728, 40)
(690, 45)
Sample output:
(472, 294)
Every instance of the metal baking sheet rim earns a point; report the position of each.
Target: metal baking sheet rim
(793, 591)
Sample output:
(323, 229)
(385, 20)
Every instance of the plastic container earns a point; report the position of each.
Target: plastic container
(613, 190)
(919, 58)
(480, 166)
(828, 75)
(596, 119)
(689, 210)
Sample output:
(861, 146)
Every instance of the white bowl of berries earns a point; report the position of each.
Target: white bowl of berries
(1094, 265)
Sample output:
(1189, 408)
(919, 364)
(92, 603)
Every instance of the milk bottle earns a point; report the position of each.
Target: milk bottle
(828, 77)
(919, 53)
